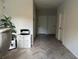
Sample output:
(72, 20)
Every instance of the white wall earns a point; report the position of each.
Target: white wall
(0, 9)
(21, 12)
(70, 25)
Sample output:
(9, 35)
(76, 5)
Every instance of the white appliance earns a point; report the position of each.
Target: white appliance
(24, 39)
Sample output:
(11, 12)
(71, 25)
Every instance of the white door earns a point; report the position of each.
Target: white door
(47, 24)
(60, 27)
(51, 24)
(42, 25)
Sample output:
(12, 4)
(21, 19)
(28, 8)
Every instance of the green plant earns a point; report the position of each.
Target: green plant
(6, 22)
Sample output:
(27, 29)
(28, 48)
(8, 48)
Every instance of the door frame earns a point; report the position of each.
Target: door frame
(59, 37)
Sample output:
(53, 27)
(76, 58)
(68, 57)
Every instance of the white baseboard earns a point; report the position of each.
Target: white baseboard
(69, 50)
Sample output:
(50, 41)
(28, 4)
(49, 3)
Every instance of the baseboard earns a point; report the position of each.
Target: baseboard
(35, 38)
(46, 35)
(69, 50)
(59, 41)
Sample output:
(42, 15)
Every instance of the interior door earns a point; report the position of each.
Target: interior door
(60, 27)
(42, 25)
(51, 24)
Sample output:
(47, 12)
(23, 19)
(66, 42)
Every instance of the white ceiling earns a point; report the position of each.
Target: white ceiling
(45, 4)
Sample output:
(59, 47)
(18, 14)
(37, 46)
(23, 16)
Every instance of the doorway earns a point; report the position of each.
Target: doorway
(46, 25)
(60, 27)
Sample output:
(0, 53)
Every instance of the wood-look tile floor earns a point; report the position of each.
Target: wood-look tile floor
(44, 48)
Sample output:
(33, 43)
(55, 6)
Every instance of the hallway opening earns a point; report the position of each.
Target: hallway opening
(55, 18)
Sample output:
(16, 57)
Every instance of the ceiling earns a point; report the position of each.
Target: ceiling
(45, 4)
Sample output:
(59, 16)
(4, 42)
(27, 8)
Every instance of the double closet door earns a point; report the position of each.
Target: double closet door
(46, 24)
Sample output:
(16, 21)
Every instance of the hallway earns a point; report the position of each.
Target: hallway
(45, 47)
(30, 21)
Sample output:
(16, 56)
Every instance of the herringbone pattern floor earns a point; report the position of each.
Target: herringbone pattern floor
(44, 48)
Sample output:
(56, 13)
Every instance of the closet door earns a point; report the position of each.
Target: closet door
(42, 25)
(51, 24)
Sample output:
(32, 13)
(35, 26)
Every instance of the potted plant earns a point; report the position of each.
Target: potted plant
(6, 23)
